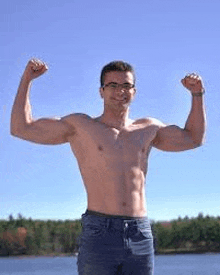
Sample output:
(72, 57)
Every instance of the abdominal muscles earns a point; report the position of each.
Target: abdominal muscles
(116, 190)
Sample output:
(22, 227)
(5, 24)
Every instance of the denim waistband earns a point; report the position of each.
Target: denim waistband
(109, 216)
(116, 221)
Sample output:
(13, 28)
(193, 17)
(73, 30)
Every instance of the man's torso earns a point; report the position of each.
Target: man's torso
(113, 163)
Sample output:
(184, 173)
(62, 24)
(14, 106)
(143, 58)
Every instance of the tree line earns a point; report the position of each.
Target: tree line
(23, 236)
(200, 234)
(39, 237)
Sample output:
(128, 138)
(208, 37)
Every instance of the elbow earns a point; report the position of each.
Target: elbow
(18, 134)
(198, 142)
(17, 131)
(196, 139)
(14, 126)
(13, 130)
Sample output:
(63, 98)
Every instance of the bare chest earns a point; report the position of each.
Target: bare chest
(99, 140)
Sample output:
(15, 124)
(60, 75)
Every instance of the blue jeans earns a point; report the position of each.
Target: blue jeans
(115, 245)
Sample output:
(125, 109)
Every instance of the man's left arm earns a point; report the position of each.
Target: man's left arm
(174, 138)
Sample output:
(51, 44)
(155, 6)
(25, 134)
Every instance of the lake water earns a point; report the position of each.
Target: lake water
(204, 264)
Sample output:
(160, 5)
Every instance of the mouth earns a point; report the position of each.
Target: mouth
(122, 100)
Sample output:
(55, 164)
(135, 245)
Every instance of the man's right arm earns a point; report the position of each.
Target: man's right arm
(43, 131)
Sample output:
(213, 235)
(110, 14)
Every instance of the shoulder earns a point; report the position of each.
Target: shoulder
(150, 121)
(74, 118)
(72, 123)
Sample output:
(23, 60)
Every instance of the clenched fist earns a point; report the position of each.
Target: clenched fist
(35, 68)
(193, 83)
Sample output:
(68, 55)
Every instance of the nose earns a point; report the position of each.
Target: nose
(119, 93)
(120, 89)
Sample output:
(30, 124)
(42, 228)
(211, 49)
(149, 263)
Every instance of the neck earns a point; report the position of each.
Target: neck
(115, 118)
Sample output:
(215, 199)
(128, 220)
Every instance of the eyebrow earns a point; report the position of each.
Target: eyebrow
(119, 83)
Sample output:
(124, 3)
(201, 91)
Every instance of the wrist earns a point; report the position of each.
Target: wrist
(26, 78)
(198, 93)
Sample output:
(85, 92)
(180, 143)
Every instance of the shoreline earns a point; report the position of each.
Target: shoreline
(50, 255)
(157, 253)
(173, 251)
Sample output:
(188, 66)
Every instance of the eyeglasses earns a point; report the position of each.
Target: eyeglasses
(114, 86)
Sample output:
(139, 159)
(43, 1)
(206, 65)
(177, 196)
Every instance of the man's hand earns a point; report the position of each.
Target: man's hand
(193, 83)
(34, 69)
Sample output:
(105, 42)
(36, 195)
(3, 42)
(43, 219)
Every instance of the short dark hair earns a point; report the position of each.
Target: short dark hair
(116, 66)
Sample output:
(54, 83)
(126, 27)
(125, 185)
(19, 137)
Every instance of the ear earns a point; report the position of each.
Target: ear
(101, 91)
(134, 92)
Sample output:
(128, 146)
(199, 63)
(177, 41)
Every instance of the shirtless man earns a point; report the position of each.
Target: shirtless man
(112, 152)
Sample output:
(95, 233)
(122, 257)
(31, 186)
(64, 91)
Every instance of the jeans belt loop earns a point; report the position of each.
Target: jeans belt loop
(108, 222)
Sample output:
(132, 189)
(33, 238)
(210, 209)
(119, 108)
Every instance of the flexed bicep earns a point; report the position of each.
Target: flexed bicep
(48, 131)
(173, 138)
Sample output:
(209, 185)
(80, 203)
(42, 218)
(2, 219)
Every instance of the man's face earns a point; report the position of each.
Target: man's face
(118, 90)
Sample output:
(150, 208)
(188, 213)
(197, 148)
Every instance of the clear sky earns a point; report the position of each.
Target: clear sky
(164, 40)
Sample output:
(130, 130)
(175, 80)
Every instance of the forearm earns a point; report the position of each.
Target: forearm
(196, 122)
(21, 112)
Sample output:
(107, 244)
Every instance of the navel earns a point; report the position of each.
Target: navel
(124, 204)
(100, 148)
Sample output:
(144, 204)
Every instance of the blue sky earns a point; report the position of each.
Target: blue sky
(164, 40)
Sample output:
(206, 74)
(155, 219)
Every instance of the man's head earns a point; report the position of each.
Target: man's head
(117, 85)
(116, 66)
